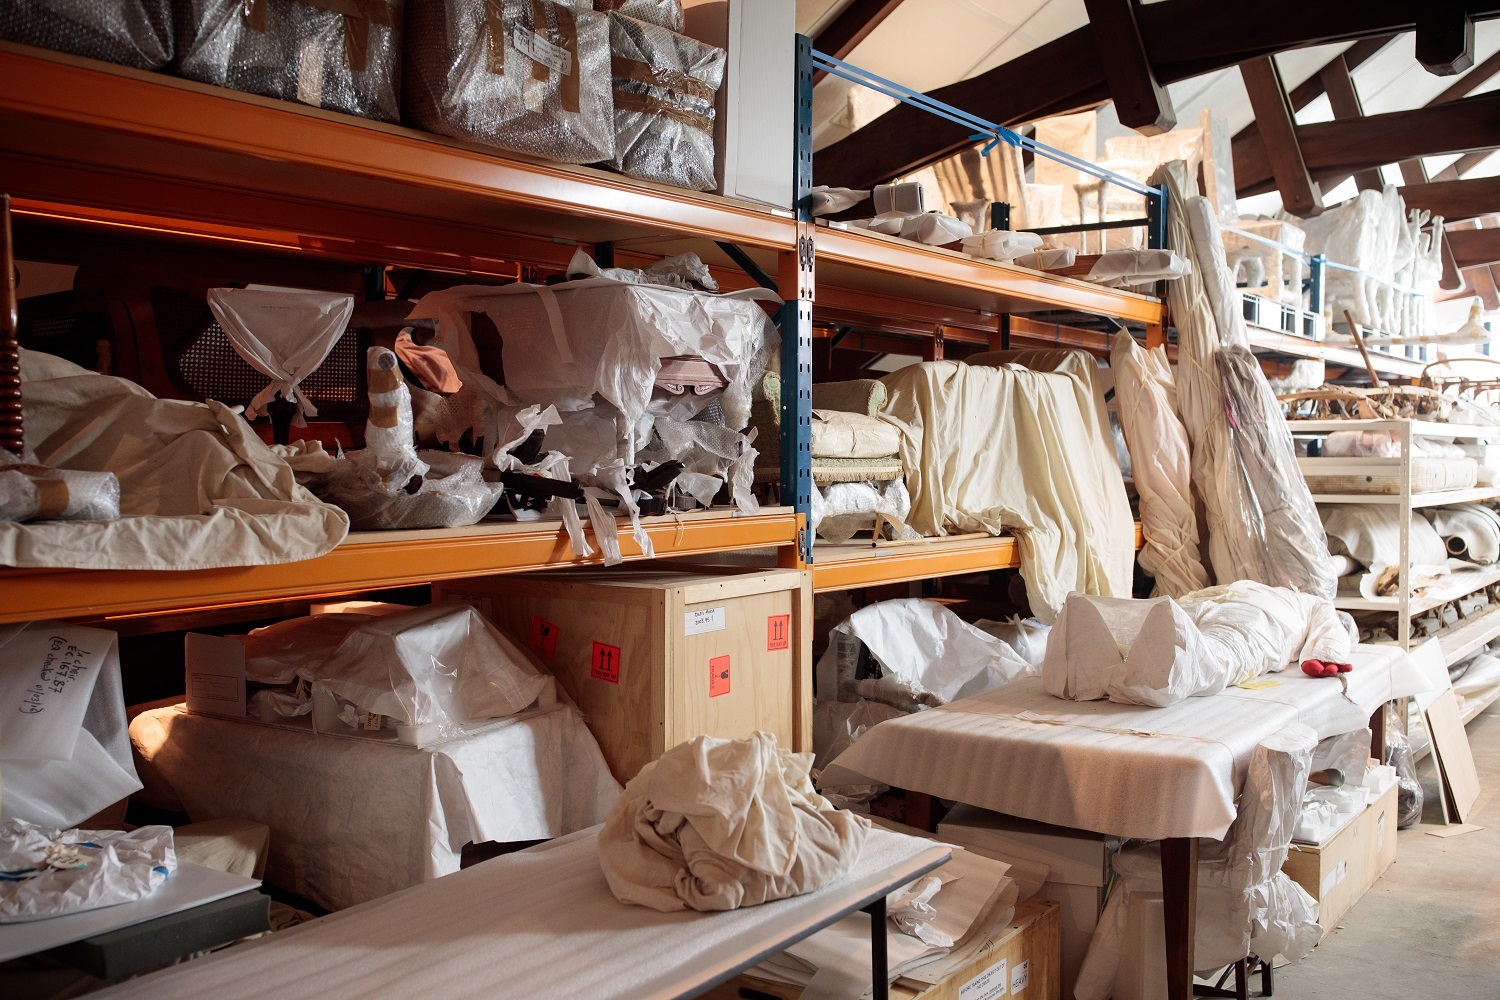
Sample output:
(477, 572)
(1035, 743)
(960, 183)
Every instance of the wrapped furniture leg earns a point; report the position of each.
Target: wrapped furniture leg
(343, 55)
(530, 76)
(129, 32)
(664, 90)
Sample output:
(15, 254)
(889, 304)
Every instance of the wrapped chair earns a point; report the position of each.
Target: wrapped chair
(850, 443)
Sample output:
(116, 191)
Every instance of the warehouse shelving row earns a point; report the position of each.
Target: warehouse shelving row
(93, 150)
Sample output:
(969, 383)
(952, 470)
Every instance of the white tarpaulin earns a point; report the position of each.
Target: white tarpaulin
(1009, 449)
(1161, 465)
(64, 754)
(283, 333)
(353, 819)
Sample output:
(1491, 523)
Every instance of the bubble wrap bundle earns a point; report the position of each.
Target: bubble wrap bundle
(129, 32)
(30, 492)
(343, 55)
(662, 13)
(531, 76)
(664, 90)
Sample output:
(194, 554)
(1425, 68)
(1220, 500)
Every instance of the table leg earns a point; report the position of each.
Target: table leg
(879, 965)
(920, 812)
(1377, 733)
(1179, 882)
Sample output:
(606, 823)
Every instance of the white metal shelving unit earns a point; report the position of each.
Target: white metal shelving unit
(1468, 636)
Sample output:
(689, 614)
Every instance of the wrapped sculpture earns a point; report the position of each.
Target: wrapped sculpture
(326, 53)
(531, 76)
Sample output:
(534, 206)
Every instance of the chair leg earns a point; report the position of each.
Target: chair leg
(1266, 983)
(1242, 979)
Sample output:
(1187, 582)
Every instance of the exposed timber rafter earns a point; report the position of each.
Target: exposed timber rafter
(1474, 247)
(1141, 102)
(1414, 171)
(1311, 89)
(1338, 84)
(1278, 137)
(1445, 37)
(1182, 39)
(1455, 200)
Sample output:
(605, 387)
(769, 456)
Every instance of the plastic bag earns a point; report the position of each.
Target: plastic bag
(840, 510)
(129, 32)
(1001, 244)
(496, 72)
(33, 492)
(665, 86)
(1409, 785)
(283, 334)
(453, 493)
(298, 50)
(49, 872)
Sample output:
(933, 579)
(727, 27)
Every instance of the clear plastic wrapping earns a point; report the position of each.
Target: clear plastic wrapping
(662, 13)
(31, 492)
(343, 55)
(453, 493)
(532, 76)
(840, 510)
(1409, 794)
(665, 85)
(129, 32)
(1295, 544)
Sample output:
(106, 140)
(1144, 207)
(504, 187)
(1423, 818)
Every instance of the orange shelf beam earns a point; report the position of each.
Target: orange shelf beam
(366, 561)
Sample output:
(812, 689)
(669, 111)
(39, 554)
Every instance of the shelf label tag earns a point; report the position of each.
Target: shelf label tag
(718, 676)
(542, 638)
(988, 985)
(605, 663)
(540, 50)
(1020, 978)
(706, 620)
(778, 632)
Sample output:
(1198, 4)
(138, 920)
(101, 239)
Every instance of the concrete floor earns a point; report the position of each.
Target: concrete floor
(1431, 927)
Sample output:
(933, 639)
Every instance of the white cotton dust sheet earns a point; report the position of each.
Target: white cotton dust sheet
(352, 819)
(540, 923)
(1114, 769)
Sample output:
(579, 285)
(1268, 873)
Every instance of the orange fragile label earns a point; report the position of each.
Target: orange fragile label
(605, 664)
(542, 639)
(778, 632)
(718, 676)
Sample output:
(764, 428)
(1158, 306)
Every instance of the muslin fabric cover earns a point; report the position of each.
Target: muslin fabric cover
(198, 488)
(1122, 770)
(719, 824)
(840, 434)
(998, 449)
(1161, 465)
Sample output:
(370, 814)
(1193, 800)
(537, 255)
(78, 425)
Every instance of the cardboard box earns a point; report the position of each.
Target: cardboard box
(657, 654)
(1077, 864)
(1338, 872)
(753, 129)
(1021, 962)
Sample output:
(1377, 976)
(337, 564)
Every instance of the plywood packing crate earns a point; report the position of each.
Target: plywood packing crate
(1339, 871)
(1020, 962)
(656, 654)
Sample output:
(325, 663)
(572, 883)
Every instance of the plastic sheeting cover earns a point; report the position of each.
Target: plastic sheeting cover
(283, 334)
(51, 872)
(130, 32)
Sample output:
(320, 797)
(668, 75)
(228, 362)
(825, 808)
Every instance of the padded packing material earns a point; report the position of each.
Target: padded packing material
(352, 819)
(665, 85)
(1161, 465)
(1121, 770)
(198, 488)
(663, 13)
(540, 923)
(342, 55)
(129, 32)
(998, 449)
(530, 76)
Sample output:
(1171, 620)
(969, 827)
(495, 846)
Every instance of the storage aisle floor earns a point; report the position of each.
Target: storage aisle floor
(1431, 927)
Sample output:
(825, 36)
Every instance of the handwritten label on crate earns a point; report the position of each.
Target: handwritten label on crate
(604, 665)
(778, 632)
(703, 620)
(538, 49)
(1020, 976)
(988, 985)
(718, 676)
(542, 638)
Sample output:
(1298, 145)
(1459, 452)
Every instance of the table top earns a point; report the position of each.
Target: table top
(1121, 770)
(541, 922)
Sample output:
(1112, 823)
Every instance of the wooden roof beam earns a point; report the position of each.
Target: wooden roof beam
(1141, 102)
(1455, 200)
(1338, 148)
(1414, 171)
(1311, 89)
(1474, 247)
(1445, 38)
(1344, 100)
(1182, 39)
(1299, 194)
(843, 34)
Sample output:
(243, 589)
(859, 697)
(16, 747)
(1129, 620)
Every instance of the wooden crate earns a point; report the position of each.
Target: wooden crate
(1023, 954)
(656, 654)
(1337, 873)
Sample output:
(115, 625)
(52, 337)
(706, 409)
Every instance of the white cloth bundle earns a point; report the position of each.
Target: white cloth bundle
(1047, 258)
(1002, 244)
(1138, 267)
(1470, 532)
(1158, 652)
(49, 872)
(1161, 463)
(935, 229)
(284, 334)
(1371, 534)
(719, 824)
